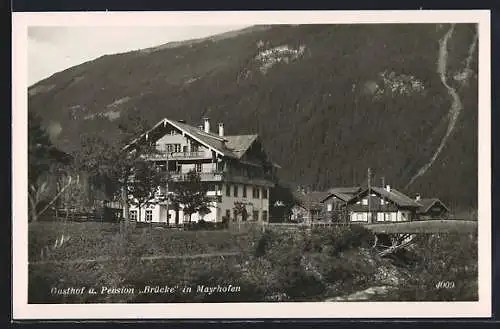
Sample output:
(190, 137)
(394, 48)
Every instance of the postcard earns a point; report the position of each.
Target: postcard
(274, 164)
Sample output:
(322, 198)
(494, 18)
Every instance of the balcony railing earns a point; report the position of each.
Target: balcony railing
(205, 176)
(161, 196)
(176, 155)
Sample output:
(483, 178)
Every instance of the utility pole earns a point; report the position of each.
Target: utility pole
(166, 189)
(369, 196)
(384, 208)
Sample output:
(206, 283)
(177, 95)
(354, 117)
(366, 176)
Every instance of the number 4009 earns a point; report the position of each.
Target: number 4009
(445, 285)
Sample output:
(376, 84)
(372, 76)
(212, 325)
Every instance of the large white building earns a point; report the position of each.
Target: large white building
(235, 168)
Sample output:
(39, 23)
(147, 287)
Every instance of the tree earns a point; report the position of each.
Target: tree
(240, 209)
(143, 187)
(44, 162)
(191, 194)
(111, 165)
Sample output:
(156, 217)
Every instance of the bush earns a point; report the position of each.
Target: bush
(294, 280)
(284, 252)
(338, 239)
(264, 243)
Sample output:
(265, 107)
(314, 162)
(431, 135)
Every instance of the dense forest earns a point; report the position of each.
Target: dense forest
(328, 101)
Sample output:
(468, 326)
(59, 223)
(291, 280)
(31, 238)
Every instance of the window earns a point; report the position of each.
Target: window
(198, 167)
(382, 202)
(404, 217)
(194, 148)
(264, 215)
(264, 193)
(149, 215)
(133, 214)
(235, 214)
(365, 201)
(359, 217)
(220, 166)
(380, 217)
(329, 207)
(255, 215)
(256, 192)
(235, 192)
(173, 148)
(228, 190)
(244, 191)
(228, 214)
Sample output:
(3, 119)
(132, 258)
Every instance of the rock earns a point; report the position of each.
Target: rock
(279, 297)
(366, 294)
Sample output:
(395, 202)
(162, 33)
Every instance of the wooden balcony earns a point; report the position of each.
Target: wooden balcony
(205, 176)
(176, 155)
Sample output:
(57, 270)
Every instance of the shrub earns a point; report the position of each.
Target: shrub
(284, 252)
(294, 280)
(338, 239)
(264, 243)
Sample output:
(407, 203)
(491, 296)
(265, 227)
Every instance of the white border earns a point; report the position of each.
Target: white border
(22, 310)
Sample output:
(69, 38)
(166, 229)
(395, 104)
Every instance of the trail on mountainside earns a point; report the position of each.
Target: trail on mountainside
(456, 105)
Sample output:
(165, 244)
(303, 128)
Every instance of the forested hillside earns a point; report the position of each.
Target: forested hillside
(329, 101)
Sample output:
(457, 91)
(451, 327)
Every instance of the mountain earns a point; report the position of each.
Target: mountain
(329, 101)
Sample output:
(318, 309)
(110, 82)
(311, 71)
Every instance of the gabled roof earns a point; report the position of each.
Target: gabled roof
(426, 204)
(210, 140)
(343, 193)
(346, 190)
(233, 146)
(394, 196)
(311, 199)
(239, 144)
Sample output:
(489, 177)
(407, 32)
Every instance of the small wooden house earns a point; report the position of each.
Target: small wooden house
(335, 202)
(380, 205)
(431, 208)
(309, 207)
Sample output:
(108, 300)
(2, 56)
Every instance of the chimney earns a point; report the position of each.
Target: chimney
(417, 197)
(207, 124)
(221, 129)
(388, 188)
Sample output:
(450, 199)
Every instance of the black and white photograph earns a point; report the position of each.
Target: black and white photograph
(278, 161)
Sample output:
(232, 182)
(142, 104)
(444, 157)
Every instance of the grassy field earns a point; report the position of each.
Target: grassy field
(93, 240)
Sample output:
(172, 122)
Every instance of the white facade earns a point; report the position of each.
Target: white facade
(256, 204)
(159, 215)
(180, 153)
(399, 216)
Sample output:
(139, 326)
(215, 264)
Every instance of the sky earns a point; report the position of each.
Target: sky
(52, 49)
